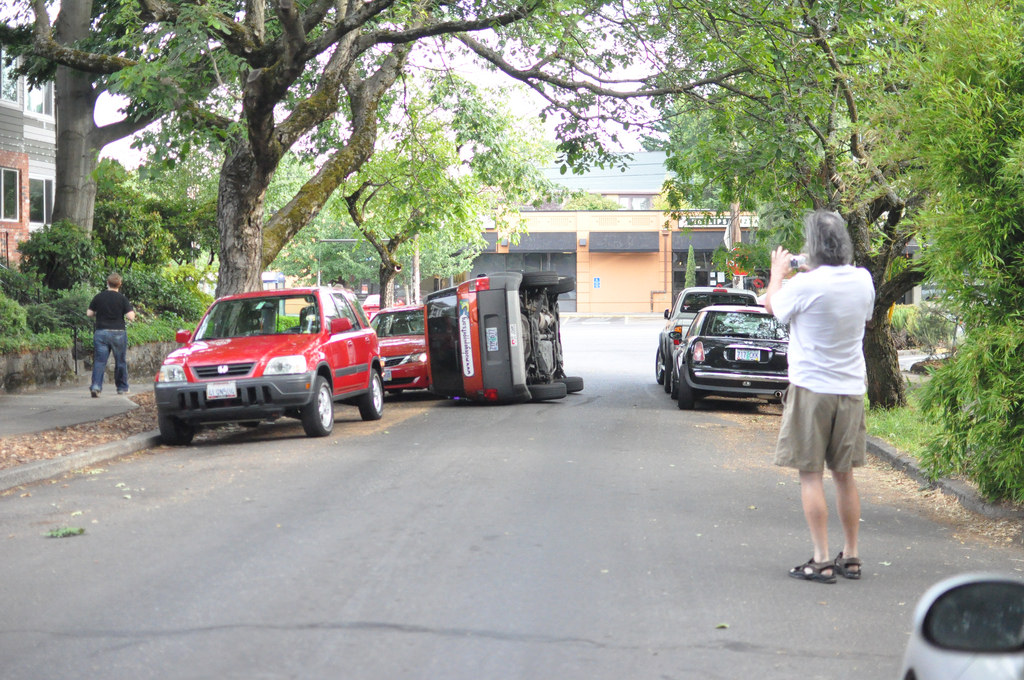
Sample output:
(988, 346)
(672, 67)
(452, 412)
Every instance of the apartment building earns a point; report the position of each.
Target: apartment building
(28, 146)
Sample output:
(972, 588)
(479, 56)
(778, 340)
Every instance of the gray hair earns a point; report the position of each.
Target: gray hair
(827, 242)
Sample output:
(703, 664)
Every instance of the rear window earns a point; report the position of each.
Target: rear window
(694, 302)
(745, 325)
(390, 324)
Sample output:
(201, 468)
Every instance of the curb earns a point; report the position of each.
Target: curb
(964, 493)
(54, 467)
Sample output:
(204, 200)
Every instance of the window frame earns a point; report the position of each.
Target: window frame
(4, 174)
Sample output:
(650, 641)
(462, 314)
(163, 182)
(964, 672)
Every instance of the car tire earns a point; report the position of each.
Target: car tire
(318, 415)
(685, 396)
(371, 404)
(673, 387)
(573, 383)
(174, 431)
(659, 368)
(545, 391)
(539, 279)
(566, 284)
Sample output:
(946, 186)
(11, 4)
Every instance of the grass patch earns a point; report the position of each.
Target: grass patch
(64, 532)
(903, 428)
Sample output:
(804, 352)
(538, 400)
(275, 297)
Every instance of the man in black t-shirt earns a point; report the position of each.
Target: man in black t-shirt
(110, 309)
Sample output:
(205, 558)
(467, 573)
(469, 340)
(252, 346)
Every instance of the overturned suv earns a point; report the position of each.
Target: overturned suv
(259, 356)
(496, 339)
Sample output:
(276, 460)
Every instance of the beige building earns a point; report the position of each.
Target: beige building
(624, 261)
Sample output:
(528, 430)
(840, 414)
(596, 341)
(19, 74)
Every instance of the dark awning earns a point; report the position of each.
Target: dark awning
(700, 240)
(546, 242)
(624, 242)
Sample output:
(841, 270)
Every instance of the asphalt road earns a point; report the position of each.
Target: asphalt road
(606, 535)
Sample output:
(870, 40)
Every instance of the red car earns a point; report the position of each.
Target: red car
(259, 356)
(403, 346)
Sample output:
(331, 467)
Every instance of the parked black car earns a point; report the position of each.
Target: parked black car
(678, 319)
(730, 351)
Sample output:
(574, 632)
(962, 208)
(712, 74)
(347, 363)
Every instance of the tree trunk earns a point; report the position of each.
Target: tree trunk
(388, 272)
(886, 386)
(240, 197)
(77, 150)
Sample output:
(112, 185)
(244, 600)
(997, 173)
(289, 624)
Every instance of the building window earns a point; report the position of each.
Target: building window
(8, 194)
(40, 200)
(39, 100)
(8, 81)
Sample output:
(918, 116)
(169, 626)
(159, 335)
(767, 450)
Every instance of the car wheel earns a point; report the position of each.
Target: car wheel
(673, 384)
(685, 396)
(545, 391)
(371, 404)
(539, 279)
(659, 368)
(566, 284)
(174, 431)
(318, 414)
(572, 383)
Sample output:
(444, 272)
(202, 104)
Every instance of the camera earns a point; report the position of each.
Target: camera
(797, 261)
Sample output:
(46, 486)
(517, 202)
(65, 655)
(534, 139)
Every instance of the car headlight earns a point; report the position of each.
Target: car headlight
(286, 365)
(171, 373)
(418, 358)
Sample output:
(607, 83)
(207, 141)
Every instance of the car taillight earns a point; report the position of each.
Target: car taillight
(479, 284)
(678, 330)
(698, 351)
(490, 394)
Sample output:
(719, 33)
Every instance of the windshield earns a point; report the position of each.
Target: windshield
(261, 316)
(746, 325)
(389, 324)
(694, 302)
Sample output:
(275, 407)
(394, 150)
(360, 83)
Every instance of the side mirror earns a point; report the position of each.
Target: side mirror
(182, 337)
(666, 313)
(675, 336)
(340, 325)
(980, 616)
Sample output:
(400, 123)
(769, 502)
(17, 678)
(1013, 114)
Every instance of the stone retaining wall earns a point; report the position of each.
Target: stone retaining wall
(51, 368)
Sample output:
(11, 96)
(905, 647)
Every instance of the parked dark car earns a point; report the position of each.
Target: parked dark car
(259, 356)
(403, 347)
(968, 627)
(678, 319)
(730, 351)
(496, 338)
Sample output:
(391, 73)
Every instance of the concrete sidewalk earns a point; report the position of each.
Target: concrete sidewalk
(48, 409)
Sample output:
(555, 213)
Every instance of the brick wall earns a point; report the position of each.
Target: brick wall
(16, 232)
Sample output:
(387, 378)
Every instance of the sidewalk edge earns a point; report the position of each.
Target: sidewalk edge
(54, 467)
(966, 495)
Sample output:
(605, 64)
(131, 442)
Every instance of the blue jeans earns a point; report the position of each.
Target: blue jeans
(105, 343)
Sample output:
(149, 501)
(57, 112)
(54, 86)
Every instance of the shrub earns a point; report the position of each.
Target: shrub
(934, 327)
(42, 318)
(13, 322)
(152, 290)
(61, 254)
(975, 401)
(23, 288)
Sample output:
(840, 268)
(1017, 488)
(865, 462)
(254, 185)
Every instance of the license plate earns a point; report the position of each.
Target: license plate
(387, 374)
(748, 355)
(221, 390)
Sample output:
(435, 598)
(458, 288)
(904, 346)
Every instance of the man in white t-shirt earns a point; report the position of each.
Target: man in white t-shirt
(823, 422)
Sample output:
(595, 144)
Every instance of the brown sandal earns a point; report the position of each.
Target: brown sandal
(814, 571)
(843, 565)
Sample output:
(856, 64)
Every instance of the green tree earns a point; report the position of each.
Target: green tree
(591, 202)
(963, 113)
(264, 78)
(793, 127)
(691, 269)
(96, 27)
(128, 230)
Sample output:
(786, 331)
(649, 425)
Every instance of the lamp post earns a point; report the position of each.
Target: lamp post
(327, 240)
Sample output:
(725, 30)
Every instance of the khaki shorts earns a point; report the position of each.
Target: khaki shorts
(821, 429)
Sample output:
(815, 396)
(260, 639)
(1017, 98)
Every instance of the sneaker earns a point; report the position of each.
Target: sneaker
(94, 393)
(123, 391)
